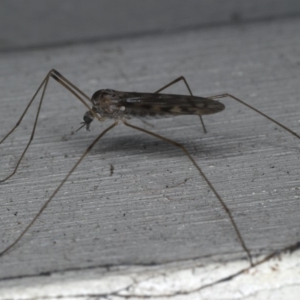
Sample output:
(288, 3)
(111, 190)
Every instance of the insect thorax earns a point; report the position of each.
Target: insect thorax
(108, 103)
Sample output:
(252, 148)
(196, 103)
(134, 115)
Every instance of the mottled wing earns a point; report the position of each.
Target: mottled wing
(164, 105)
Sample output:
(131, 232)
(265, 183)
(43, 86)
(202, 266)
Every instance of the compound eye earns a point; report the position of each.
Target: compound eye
(88, 118)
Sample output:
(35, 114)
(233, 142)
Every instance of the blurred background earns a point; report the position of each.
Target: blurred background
(34, 23)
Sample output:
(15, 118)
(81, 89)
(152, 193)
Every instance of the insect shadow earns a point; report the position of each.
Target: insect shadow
(121, 107)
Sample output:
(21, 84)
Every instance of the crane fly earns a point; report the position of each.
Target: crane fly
(121, 107)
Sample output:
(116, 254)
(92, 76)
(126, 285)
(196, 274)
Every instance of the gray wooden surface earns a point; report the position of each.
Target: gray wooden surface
(142, 214)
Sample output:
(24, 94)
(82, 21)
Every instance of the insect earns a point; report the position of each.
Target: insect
(121, 107)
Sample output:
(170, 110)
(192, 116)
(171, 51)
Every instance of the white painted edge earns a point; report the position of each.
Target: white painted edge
(278, 278)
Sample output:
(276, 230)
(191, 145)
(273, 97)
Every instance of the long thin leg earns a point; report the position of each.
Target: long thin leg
(190, 91)
(242, 242)
(58, 188)
(256, 110)
(64, 82)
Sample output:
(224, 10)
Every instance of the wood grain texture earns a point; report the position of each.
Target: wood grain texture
(155, 208)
